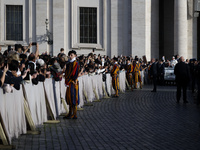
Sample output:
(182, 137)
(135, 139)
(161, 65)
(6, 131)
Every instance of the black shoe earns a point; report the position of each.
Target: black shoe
(67, 117)
(153, 91)
(75, 117)
(115, 96)
(185, 102)
(177, 102)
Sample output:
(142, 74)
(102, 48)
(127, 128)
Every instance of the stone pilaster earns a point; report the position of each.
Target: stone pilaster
(141, 28)
(180, 28)
(58, 26)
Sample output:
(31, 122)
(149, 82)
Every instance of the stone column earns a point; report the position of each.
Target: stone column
(141, 28)
(180, 28)
(114, 28)
(105, 9)
(155, 29)
(58, 26)
(138, 27)
(41, 16)
(1, 23)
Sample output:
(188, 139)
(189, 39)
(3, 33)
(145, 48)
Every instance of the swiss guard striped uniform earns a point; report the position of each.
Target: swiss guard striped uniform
(72, 95)
(129, 75)
(137, 69)
(115, 79)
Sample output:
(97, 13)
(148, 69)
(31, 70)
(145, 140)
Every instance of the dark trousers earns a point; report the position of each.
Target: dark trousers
(178, 94)
(162, 81)
(198, 96)
(154, 83)
(193, 84)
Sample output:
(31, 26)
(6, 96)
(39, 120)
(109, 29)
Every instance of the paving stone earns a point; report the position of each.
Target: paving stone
(136, 120)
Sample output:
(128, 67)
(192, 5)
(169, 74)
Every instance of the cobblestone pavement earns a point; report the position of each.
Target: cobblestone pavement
(136, 120)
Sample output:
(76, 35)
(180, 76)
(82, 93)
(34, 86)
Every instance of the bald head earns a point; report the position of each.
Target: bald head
(152, 60)
(182, 59)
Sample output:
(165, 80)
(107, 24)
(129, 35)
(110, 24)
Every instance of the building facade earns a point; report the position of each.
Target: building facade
(113, 27)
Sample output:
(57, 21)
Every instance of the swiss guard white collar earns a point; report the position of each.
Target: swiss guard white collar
(72, 59)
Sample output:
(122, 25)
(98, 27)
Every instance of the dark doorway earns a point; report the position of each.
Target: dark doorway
(161, 28)
(198, 38)
(166, 28)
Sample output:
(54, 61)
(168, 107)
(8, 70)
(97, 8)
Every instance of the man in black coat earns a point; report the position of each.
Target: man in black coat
(153, 73)
(160, 72)
(182, 73)
(198, 82)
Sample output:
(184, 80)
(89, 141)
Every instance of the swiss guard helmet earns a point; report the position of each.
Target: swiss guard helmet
(71, 52)
(115, 58)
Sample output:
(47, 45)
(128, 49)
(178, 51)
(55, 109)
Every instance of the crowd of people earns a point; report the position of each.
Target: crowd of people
(17, 64)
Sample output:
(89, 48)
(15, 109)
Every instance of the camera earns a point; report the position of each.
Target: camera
(5, 62)
(34, 43)
(9, 48)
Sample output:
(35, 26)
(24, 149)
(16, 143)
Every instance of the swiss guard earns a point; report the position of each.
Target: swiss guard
(115, 76)
(129, 73)
(137, 69)
(71, 75)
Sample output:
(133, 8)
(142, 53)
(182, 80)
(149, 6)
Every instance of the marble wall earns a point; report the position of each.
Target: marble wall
(128, 27)
(141, 28)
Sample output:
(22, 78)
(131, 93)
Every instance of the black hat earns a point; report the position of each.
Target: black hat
(23, 56)
(13, 66)
(115, 58)
(17, 46)
(81, 57)
(72, 52)
(90, 54)
(128, 59)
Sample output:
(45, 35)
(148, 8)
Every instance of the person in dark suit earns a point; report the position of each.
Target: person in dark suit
(198, 82)
(160, 72)
(153, 73)
(182, 73)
